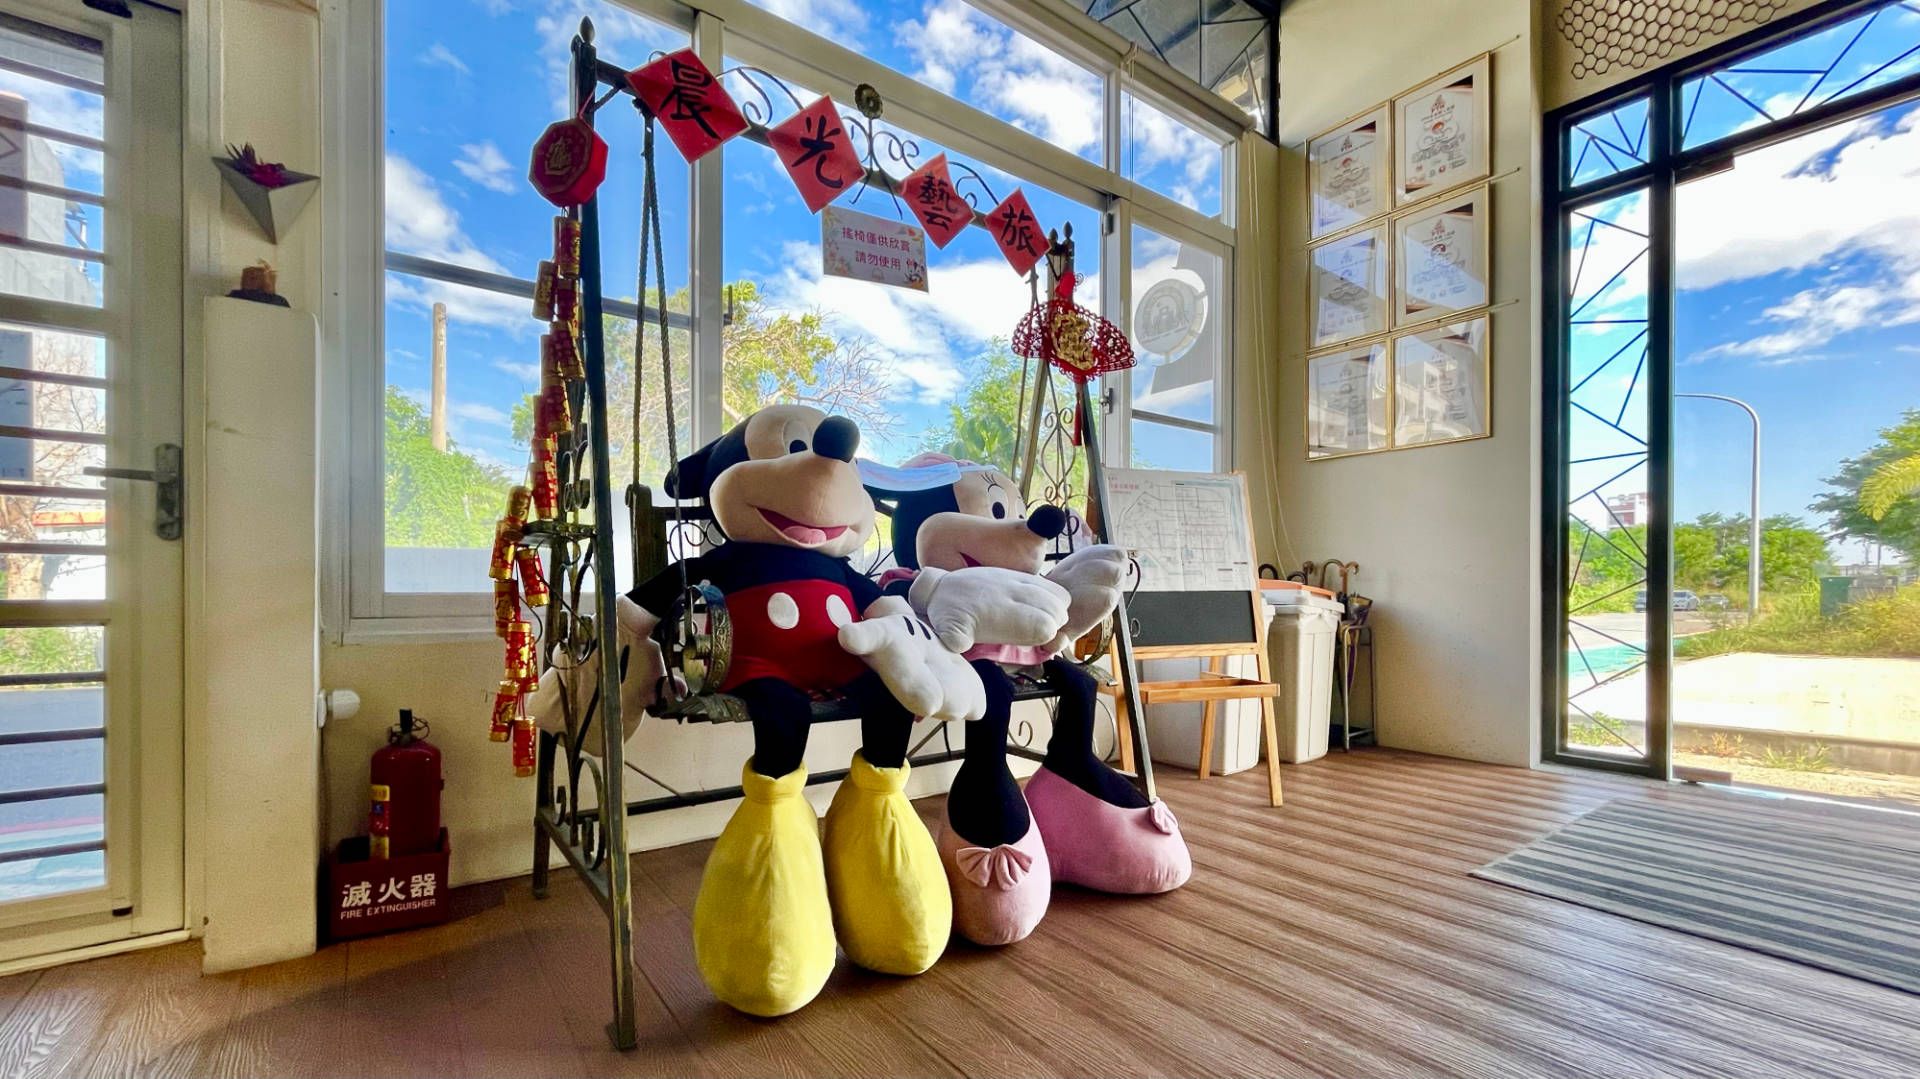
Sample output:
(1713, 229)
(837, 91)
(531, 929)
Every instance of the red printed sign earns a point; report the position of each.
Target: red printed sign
(929, 191)
(814, 146)
(689, 102)
(569, 161)
(1017, 232)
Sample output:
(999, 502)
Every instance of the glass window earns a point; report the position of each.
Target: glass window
(1607, 143)
(916, 370)
(1848, 58)
(1170, 156)
(457, 200)
(963, 52)
(1178, 343)
(52, 105)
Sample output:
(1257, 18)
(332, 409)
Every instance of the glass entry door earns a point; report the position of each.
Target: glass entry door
(90, 499)
(1781, 260)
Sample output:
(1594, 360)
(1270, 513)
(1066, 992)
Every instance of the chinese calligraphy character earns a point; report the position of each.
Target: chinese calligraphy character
(357, 894)
(687, 98)
(421, 886)
(390, 891)
(815, 147)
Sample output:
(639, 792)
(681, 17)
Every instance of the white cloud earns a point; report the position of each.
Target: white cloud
(836, 20)
(921, 337)
(438, 55)
(419, 221)
(526, 372)
(479, 413)
(619, 34)
(1839, 193)
(484, 164)
(1009, 74)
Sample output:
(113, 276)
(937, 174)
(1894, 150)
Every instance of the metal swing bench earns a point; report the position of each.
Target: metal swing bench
(695, 640)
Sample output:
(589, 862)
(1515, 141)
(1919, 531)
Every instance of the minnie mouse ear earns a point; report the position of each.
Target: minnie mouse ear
(891, 480)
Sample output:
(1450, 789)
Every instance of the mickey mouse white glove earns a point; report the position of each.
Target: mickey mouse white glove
(1092, 577)
(639, 683)
(925, 676)
(988, 605)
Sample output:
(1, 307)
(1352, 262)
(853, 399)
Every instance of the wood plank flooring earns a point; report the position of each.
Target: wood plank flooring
(1337, 935)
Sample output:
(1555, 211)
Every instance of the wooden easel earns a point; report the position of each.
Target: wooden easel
(1214, 684)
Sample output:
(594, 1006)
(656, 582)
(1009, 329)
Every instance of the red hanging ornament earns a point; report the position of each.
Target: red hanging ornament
(1078, 342)
(814, 146)
(1017, 232)
(689, 102)
(506, 709)
(569, 161)
(929, 193)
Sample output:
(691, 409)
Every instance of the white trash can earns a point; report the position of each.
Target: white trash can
(1301, 646)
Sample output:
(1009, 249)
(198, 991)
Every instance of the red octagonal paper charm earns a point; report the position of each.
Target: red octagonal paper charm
(818, 152)
(689, 102)
(1017, 232)
(941, 210)
(569, 161)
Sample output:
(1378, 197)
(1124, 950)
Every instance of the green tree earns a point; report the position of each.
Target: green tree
(435, 498)
(984, 425)
(1850, 506)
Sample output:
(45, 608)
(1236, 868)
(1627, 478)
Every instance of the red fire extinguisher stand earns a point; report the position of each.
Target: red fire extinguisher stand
(406, 785)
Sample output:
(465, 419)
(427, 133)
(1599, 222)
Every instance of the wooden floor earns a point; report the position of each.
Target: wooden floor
(1337, 935)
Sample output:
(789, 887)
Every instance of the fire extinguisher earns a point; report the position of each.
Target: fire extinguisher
(405, 818)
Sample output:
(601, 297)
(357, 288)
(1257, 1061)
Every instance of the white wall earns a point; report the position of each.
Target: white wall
(253, 77)
(1445, 536)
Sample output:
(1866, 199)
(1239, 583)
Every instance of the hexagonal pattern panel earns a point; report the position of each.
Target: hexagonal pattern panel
(1611, 35)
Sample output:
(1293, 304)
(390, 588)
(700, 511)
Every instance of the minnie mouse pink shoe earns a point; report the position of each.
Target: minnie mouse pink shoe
(1105, 847)
(999, 893)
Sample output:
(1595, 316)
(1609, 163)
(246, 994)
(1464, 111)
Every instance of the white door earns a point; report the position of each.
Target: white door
(90, 384)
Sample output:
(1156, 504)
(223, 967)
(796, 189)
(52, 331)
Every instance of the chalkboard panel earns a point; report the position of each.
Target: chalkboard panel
(1192, 618)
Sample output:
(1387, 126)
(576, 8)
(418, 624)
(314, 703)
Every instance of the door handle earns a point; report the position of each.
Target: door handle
(165, 474)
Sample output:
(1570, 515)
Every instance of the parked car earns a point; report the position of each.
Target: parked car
(1714, 601)
(1683, 600)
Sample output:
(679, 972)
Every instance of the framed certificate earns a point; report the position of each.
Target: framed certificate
(1347, 401)
(1441, 380)
(1347, 173)
(1442, 131)
(1349, 287)
(1440, 258)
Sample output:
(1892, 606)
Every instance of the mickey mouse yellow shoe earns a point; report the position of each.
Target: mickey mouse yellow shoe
(762, 929)
(891, 905)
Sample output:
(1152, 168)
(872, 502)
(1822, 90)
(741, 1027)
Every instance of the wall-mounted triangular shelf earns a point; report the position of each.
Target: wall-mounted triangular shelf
(275, 208)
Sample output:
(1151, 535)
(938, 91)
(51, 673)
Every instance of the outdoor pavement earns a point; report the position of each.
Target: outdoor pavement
(1870, 699)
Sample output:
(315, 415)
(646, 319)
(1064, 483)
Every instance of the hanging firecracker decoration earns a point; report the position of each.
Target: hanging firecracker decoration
(566, 245)
(1017, 232)
(1078, 342)
(500, 565)
(566, 301)
(523, 742)
(818, 154)
(569, 162)
(561, 354)
(546, 487)
(689, 102)
(930, 195)
(543, 291)
(506, 709)
(506, 604)
(533, 582)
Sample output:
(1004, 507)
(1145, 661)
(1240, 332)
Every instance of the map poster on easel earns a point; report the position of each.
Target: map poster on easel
(1189, 530)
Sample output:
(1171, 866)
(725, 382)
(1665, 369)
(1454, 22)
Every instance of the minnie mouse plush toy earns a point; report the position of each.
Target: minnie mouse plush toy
(806, 625)
(969, 558)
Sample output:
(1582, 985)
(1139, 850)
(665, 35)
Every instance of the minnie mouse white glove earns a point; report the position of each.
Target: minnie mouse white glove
(639, 682)
(988, 605)
(1092, 577)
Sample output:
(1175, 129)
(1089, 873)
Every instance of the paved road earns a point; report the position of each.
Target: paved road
(52, 764)
(1632, 628)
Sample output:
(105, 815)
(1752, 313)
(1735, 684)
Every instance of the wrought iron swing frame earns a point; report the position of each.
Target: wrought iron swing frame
(580, 545)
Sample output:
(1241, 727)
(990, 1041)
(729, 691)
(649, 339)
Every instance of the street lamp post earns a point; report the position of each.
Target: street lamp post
(1753, 512)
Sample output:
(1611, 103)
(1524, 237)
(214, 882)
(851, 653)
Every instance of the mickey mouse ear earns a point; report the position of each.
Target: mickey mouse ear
(892, 480)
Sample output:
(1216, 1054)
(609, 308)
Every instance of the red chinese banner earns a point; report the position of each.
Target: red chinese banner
(814, 146)
(929, 192)
(1017, 232)
(569, 161)
(689, 102)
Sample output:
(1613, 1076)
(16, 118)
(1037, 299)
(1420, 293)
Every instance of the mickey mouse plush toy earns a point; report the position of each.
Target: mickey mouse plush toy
(969, 558)
(806, 625)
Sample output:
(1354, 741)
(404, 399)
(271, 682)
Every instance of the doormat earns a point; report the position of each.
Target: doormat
(1826, 885)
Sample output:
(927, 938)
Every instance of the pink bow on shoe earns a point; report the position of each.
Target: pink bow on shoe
(1162, 817)
(1002, 867)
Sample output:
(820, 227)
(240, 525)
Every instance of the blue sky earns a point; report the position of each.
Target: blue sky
(467, 95)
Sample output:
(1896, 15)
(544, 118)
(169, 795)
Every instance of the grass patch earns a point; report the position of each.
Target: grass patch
(1814, 758)
(1886, 626)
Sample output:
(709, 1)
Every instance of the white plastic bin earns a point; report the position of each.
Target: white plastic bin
(1301, 646)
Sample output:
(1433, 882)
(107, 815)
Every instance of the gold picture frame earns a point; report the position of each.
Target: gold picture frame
(1349, 173)
(1443, 383)
(1349, 285)
(1442, 258)
(1349, 400)
(1443, 131)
